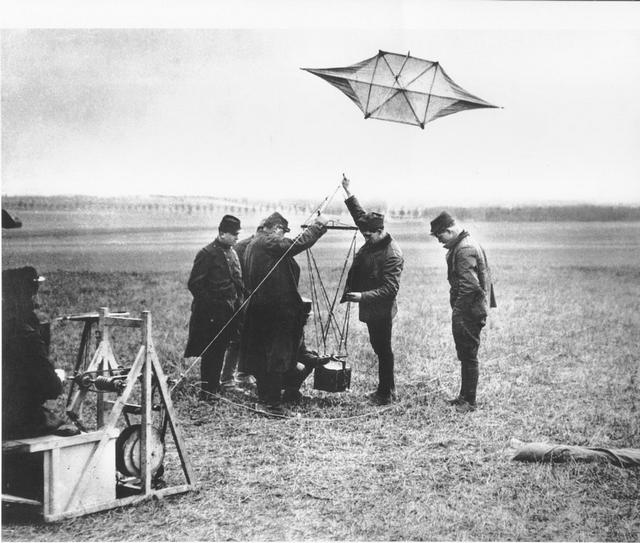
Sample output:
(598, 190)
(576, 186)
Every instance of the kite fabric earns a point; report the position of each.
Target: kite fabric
(401, 88)
(546, 452)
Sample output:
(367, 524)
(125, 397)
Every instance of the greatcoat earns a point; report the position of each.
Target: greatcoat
(216, 285)
(274, 318)
(28, 380)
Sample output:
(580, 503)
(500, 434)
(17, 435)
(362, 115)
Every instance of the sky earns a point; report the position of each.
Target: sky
(209, 99)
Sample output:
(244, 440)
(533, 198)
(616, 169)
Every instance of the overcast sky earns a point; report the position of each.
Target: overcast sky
(224, 109)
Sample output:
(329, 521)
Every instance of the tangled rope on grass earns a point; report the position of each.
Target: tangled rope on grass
(376, 411)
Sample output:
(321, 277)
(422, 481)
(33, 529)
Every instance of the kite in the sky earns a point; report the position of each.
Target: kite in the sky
(401, 88)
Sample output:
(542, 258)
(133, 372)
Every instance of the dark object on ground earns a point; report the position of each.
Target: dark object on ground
(332, 377)
(547, 452)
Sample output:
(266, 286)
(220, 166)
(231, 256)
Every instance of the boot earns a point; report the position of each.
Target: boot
(469, 377)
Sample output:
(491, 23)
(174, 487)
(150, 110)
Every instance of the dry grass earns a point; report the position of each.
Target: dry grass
(559, 363)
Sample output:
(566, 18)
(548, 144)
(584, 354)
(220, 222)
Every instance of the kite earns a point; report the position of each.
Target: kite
(401, 88)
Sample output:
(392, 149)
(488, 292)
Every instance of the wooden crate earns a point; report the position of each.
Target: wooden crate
(63, 460)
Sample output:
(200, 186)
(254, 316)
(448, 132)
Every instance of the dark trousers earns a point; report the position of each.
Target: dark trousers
(232, 359)
(380, 338)
(294, 378)
(269, 386)
(213, 358)
(466, 335)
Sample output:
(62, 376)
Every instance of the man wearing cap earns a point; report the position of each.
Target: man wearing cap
(274, 319)
(373, 282)
(471, 294)
(216, 285)
(232, 359)
(28, 378)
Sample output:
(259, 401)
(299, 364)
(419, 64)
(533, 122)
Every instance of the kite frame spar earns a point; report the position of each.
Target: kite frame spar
(410, 89)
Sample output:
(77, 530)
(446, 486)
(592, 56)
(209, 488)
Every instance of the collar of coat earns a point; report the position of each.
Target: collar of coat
(217, 243)
(380, 244)
(455, 242)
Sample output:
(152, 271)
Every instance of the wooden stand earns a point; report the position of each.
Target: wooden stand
(72, 465)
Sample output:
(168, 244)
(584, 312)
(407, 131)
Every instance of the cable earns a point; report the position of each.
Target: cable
(318, 211)
(376, 411)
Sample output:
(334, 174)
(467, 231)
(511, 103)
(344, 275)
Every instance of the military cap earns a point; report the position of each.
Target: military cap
(371, 221)
(441, 222)
(23, 281)
(276, 219)
(229, 224)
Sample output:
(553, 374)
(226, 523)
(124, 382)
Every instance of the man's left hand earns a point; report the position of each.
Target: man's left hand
(354, 297)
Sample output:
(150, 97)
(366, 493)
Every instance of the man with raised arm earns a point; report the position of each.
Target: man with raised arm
(373, 282)
(275, 314)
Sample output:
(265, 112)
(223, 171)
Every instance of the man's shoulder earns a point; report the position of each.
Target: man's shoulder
(395, 247)
(391, 247)
(468, 246)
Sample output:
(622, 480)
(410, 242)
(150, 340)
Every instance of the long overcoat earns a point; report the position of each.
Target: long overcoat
(375, 273)
(216, 285)
(28, 380)
(274, 318)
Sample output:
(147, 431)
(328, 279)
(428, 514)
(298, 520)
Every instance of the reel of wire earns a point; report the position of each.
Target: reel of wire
(102, 383)
(110, 384)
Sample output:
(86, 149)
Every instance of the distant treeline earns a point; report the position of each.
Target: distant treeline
(211, 205)
(526, 213)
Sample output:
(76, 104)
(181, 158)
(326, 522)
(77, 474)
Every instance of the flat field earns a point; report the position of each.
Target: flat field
(559, 363)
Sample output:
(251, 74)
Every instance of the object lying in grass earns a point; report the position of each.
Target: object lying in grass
(547, 452)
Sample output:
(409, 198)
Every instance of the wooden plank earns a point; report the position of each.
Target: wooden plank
(146, 420)
(48, 442)
(175, 426)
(120, 502)
(123, 321)
(52, 477)
(8, 498)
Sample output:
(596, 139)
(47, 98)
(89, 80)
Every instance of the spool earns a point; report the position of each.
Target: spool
(128, 450)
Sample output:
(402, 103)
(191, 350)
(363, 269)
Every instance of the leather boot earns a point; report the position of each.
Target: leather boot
(469, 376)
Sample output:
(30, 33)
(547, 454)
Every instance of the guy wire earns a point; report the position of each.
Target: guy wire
(316, 211)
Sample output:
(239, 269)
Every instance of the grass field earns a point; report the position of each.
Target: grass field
(559, 363)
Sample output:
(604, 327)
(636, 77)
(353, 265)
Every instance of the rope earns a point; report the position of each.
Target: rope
(317, 211)
(375, 412)
(332, 325)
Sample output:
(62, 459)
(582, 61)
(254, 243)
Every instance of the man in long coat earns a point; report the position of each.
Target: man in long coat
(373, 282)
(28, 377)
(216, 285)
(274, 319)
(470, 295)
(229, 377)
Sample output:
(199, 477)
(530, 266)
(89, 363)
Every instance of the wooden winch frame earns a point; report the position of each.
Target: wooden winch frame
(147, 371)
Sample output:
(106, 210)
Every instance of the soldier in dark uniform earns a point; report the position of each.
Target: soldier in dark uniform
(471, 295)
(28, 378)
(273, 323)
(217, 289)
(232, 359)
(373, 282)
